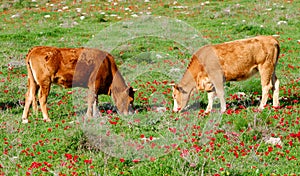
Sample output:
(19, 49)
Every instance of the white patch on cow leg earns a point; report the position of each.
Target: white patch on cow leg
(276, 93)
(210, 97)
(91, 101)
(223, 104)
(175, 107)
(221, 96)
(96, 112)
(265, 91)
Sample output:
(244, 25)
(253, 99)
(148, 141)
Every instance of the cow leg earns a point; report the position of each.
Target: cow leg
(210, 95)
(29, 98)
(221, 95)
(43, 95)
(96, 112)
(34, 102)
(275, 88)
(266, 82)
(91, 102)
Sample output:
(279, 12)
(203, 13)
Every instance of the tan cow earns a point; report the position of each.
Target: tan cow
(74, 67)
(237, 60)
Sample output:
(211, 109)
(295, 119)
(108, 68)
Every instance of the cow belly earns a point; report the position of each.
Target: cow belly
(242, 74)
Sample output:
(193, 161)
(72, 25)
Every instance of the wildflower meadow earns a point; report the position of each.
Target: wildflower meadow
(152, 42)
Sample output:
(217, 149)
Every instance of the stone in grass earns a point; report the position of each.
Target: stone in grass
(274, 141)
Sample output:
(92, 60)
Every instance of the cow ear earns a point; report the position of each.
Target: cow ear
(181, 89)
(130, 99)
(174, 86)
(207, 84)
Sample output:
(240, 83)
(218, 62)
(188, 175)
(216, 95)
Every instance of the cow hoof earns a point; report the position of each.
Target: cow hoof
(24, 121)
(261, 108)
(276, 107)
(47, 120)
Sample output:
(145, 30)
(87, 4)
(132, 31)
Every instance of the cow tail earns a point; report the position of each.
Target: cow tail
(277, 51)
(31, 79)
(276, 57)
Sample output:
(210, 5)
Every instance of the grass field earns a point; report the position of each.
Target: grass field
(152, 42)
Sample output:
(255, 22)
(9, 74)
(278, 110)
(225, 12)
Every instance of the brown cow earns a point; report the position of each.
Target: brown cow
(75, 67)
(212, 65)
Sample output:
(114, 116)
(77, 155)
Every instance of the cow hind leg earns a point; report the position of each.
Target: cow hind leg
(29, 99)
(43, 95)
(275, 88)
(266, 72)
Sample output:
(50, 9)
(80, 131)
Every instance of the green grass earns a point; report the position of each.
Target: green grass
(151, 53)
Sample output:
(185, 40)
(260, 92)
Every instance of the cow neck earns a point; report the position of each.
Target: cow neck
(188, 81)
(118, 81)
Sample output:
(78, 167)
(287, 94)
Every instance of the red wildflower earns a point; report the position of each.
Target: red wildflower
(136, 160)
(290, 143)
(88, 161)
(68, 156)
(44, 169)
(173, 130)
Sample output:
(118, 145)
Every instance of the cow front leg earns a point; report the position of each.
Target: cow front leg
(91, 102)
(43, 95)
(210, 96)
(96, 112)
(221, 95)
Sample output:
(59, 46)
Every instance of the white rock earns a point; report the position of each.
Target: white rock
(15, 16)
(282, 23)
(78, 10)
(65, 8)
(274, 141)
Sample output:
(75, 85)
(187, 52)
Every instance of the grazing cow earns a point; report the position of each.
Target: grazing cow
(237, 60)
(75, 67)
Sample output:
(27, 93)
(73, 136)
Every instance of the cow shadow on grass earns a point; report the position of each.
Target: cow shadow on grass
(10, 105)
(238, 104)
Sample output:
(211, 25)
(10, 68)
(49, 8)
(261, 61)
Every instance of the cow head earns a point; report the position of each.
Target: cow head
(124, 100)
(180, 97)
